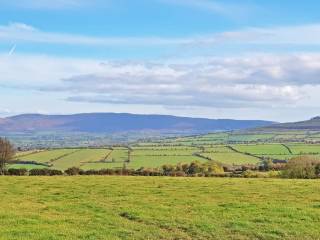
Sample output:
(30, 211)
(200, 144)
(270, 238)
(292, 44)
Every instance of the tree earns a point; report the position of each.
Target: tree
(7, 152)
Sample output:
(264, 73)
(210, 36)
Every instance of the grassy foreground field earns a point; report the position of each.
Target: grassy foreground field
(102, 207)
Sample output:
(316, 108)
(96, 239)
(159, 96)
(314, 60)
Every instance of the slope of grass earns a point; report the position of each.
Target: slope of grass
(20, 154)
(261, 149)
(231, 158)
(118, 155)
(217, 149)
(26, 166)
(46, 156)
(157, 161)
(278, 156)
(81, 157)
(249, 137)
(99, 207)
(305, 148)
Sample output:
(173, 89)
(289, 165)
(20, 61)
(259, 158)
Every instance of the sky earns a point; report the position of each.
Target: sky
(248, 59)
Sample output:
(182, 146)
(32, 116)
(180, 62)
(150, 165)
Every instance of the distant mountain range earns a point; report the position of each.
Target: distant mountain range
(121, 122)
(312, 124)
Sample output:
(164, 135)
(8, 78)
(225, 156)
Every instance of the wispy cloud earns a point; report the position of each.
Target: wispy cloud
(293, 35)
(12, 50)
(20, 32)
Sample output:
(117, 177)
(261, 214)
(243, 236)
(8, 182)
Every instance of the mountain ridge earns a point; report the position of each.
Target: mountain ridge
(122, 122)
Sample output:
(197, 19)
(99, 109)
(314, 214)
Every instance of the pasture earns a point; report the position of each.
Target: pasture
(100, 207)
(156, 154)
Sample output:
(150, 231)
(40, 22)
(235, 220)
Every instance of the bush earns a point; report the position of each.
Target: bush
(38, 172)
(17, 172)
(180, 174)
(54, 172)
(106, 172)
(269, 165)
(192, 169)
(73, 171)
(274, 174)
(45, 172)
(304, 167)
(256, 174)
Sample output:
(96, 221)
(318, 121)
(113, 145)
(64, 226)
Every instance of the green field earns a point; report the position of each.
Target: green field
(100, 207)
(262, 149)
(304, 149)
(232, 158)
(156, 154)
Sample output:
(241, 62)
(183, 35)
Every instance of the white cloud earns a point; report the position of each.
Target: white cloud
(245, 81)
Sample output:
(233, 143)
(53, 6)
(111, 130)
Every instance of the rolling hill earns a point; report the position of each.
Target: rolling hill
(121, 122)
(312, 124)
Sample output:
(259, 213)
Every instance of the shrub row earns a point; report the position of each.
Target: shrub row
(33, 172)
(192, 169)
(301, 167)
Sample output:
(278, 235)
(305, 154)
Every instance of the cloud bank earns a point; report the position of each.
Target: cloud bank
(254, 81)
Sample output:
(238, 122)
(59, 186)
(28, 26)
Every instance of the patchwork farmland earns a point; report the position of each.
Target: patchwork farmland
(225, 148)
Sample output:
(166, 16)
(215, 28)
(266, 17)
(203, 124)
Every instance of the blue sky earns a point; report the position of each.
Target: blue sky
(249, 59)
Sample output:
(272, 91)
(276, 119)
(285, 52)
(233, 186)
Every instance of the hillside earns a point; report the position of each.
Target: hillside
(121, 122)
(312, 124)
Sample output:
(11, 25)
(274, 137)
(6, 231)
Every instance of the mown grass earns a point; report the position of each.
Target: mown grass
(104, 207)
